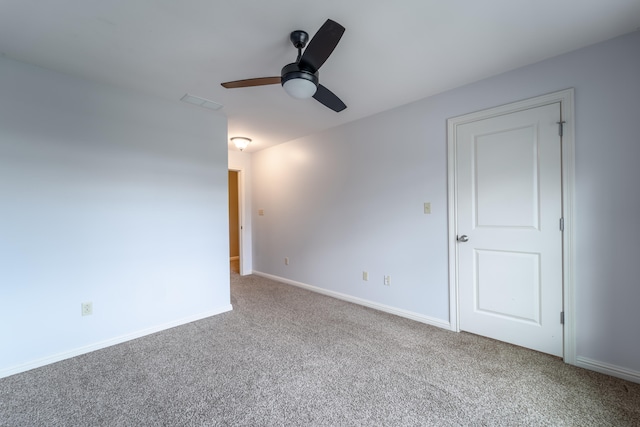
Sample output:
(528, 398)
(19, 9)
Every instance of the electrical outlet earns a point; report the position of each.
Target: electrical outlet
(87, 308)
(365, 276)
(387, 280)
(427, 207)
(286, 260)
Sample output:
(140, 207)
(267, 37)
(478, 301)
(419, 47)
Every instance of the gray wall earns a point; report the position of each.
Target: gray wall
(350, 199)
(105, 196)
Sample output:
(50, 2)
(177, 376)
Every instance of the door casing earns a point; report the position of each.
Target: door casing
(565, 98)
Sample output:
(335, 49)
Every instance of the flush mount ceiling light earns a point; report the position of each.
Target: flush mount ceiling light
(240, 142)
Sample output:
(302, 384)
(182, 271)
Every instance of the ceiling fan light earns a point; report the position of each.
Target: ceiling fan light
(240, 142)
(300, 88)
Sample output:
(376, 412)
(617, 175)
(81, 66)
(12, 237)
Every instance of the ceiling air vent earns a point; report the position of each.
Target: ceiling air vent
(200, 102)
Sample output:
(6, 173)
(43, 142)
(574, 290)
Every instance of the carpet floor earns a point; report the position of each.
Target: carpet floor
(288, 357)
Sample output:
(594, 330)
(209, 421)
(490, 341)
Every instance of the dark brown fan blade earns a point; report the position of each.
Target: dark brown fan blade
(321, 45)
(260, 81)
(329, 99)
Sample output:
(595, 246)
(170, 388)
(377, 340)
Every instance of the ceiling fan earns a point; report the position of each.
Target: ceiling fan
(300, 79)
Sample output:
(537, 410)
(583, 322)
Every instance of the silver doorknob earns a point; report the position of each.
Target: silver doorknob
(463, 238)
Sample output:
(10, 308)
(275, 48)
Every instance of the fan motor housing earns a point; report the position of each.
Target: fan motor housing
(293, 71)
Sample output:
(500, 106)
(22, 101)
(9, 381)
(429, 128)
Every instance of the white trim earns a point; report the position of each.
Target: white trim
(608, 369)
(376, 306)
(565, 98)
(568, 212)
(107, 343)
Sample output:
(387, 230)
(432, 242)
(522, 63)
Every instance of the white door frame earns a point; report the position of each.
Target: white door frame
(244, 249)
(239, 195)
(241, 163)
(565, 98)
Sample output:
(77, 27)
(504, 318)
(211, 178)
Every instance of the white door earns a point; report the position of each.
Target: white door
(509, 205)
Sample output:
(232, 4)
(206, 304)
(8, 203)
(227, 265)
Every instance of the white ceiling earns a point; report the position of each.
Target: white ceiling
(392, 53)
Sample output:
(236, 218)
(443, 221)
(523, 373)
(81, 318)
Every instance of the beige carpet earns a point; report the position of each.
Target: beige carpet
(286, 356)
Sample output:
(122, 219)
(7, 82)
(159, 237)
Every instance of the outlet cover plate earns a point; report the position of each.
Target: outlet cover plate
(87, 308)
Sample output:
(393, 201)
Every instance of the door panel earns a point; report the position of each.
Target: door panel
(508, 285)
(509, 203)
(506, 192)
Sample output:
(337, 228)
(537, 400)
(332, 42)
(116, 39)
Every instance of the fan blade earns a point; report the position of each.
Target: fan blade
(260, 81)
(321, 45)
(329, 99)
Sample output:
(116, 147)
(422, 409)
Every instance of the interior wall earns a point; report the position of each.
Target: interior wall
(109, 197)
(351, 199)
(234, 228)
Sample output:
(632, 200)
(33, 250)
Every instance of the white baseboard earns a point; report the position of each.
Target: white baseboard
(107, 343)
(381, 307)
(608, 369)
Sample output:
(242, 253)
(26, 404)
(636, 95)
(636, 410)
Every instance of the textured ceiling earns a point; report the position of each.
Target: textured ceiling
(392, 53)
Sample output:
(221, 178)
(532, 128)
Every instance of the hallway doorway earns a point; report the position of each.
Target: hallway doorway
(234, 222)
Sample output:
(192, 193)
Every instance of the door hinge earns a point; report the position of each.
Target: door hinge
(561, 224)
(562, 317)
(561, 127)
